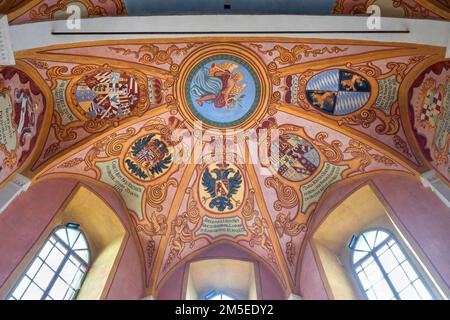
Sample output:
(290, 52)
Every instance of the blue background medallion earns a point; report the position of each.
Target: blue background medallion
(222, 91)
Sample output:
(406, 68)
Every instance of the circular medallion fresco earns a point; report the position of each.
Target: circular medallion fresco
(107, 95)
(221, 188)
(338, 91)
(148, 157)
(298, 159)
(222, 90)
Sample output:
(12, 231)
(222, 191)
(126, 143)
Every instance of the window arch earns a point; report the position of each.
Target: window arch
(58, 269)
(383, 269)
(214, 295)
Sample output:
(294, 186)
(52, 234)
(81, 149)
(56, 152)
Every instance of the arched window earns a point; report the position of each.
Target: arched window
(383, 269)
(58, 269)
(213, 295)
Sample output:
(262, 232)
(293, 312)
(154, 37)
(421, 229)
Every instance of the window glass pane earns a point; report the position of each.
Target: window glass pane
(221, 296)
(381, 236)
(45, 250)
(412, 275)
(388, 261)
(358, 255)
(361, 244)
(398, 253)
(399, 279)
(80, 243)
(62, 234)
(371, 295)
(54, 259)
(386, 258)
(43, 277)
(382, 250)
(73, 235)
(70, 294)
(370, 238)
(423, 292)
(61, 247)
(69, 271)
(59, 289)
(364, 281)
(409, 293)
(32, 293)
(373, 273)
(83, 254)
(382, 290)
(367, 262)
(31, 272)
(20, 289)
(77, 280)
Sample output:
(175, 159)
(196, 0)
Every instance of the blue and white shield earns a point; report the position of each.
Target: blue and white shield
(338, 91)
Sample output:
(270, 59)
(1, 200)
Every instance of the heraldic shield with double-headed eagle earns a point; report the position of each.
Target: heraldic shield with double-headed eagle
(148, 157)
(221, 187)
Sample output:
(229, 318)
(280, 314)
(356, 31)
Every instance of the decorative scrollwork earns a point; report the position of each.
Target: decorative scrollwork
(248, 209)
(332, 151)
(361, 152)
(156, 194)
(409, 10)
(94, 152)
(285, 226)
(274, 74)
(150, 53)
(45, 11)
(71, 163)
(364, 119)
(287, 197)
(296, 53)
(192, 211)
(390, 126)
(402, 145)
(54, 73)
(52, 149)
(115, 145)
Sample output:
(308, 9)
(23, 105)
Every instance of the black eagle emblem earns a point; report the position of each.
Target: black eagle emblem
(221, 188)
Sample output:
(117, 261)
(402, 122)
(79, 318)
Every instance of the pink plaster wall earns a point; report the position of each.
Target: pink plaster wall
(172, 288)
(423, 215)
(312, 287)
(23, 222)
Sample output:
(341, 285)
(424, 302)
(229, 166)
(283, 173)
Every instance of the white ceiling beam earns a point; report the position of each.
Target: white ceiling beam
(39, 34)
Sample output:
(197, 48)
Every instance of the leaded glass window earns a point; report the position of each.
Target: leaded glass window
(58, 269)
(383, 269)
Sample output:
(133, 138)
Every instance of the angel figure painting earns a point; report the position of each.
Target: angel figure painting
(222, 91)
(220, 84)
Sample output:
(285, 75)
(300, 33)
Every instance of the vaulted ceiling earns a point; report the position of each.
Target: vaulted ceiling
(124, 113)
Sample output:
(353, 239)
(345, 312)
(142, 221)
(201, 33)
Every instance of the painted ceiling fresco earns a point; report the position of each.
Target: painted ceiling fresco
(23, 106)
(125, 114)
(419, 9)
(429, 101)
(20, 11)
(38, 10)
